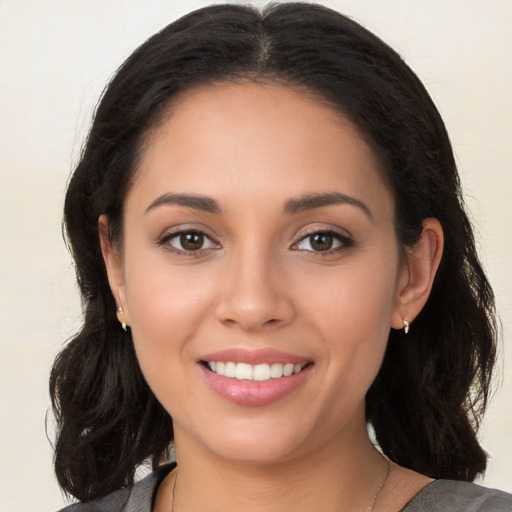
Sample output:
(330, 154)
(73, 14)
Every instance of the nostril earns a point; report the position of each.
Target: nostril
(252, 312)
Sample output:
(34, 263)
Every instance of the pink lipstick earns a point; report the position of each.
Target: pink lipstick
(254, 377)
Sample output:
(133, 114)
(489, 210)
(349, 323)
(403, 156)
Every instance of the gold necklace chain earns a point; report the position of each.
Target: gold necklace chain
(174, 489)
(381, 486)
(370, 508)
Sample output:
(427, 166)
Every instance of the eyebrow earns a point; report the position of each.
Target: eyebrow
(312, 201)
(303, 203)
(203, 203)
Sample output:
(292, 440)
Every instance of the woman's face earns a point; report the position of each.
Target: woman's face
(259, 233)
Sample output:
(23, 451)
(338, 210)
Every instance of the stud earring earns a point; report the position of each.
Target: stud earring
(406, 326)
(121, 311)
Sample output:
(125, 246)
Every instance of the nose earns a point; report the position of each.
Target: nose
(254, 292)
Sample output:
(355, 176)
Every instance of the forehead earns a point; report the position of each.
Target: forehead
(264, 138)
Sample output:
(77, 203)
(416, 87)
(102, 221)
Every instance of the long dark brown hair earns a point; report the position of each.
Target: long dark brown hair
(428, 397)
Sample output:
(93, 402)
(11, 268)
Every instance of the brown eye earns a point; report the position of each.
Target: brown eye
(189, 241)
(192, 241)
(321, 241)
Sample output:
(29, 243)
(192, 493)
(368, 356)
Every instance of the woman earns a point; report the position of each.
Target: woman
(272, 251)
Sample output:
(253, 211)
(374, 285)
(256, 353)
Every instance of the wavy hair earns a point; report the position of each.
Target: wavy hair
(427, 400)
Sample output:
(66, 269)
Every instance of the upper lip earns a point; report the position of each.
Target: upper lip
(254, 356)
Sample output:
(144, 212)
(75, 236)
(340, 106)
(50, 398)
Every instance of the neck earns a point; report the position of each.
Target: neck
(329, 479)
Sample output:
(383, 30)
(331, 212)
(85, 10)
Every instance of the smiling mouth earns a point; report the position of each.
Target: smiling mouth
(258, 372)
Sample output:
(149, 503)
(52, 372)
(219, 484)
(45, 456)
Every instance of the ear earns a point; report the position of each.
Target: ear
(417, 276)
(114, 266)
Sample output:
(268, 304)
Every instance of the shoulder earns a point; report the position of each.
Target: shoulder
(454, 496)
(114, 502)
(138, 498)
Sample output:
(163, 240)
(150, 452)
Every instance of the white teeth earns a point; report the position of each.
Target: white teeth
(276, 370)
(259, 372)
(243, 371)
(230, 370)
(288, 369)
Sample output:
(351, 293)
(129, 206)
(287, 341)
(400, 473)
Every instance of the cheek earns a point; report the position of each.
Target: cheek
(352, 308)
(167, 306)
(161, 295)
(359, 296)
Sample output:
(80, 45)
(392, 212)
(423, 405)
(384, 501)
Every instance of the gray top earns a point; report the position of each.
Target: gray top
(438, 496)
(454, 496)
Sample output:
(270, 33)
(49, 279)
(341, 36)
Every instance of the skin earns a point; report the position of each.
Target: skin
(258, 282)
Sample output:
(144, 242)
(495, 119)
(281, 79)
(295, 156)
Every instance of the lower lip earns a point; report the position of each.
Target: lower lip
(254, 393)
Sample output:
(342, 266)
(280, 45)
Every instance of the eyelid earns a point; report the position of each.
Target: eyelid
(345, 240)
(164, 239)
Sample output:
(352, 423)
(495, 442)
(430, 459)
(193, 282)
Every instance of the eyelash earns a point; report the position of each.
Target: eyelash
(345, 242)
(165, 242)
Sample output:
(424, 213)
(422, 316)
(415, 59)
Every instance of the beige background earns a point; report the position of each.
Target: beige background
(56, 56)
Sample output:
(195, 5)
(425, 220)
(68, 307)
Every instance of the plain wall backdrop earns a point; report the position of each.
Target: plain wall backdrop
(55, 58)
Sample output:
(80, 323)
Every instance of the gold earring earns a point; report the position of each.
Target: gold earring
(121, 311)
(406, 326)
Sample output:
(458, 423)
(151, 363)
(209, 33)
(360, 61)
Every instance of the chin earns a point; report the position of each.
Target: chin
(263, 453)
(258, 442)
